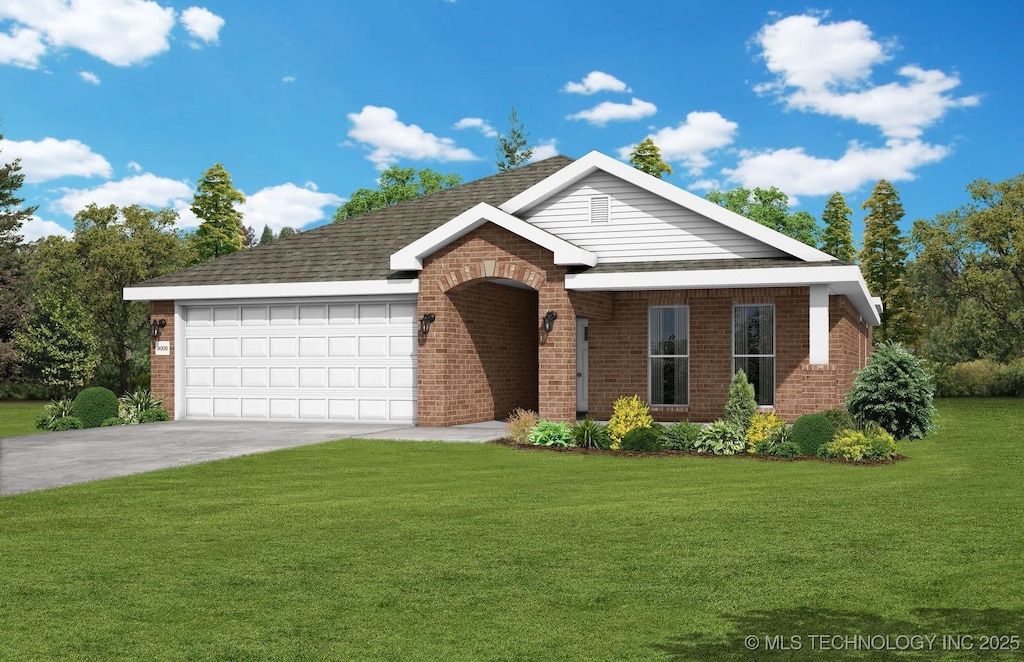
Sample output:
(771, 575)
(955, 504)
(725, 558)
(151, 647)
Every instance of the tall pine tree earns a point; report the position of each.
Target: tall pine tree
(837, 239)
(513, 150)
(646, 157)
(13, 302)
(221, 231)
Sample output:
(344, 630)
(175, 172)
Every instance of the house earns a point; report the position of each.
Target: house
(558, 287)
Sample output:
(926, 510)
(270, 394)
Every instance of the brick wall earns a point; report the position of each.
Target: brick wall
(162, 367)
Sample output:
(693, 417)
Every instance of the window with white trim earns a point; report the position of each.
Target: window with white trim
(753, 348)
(668, 351)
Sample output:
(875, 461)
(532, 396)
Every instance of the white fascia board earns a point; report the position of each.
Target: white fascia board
(841, 279)
(593, 161)
(411, 257)
(272, 290)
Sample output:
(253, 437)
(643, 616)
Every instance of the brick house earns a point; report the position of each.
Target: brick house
(558, 287)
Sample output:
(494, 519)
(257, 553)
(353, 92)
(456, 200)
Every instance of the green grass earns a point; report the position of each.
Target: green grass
(409, 551)
(19, 417)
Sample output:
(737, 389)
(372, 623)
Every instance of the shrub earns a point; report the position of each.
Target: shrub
(154, 415)
(855, 445)
(741, 406)
(840, 420)
(720, 438)
(520, 423)
(111, 422)
(628, 412)
(53, 412)
(590, 434)
(550, 433)
(762, 427)
(132, 406)
(642, 440)
(680, 436)
(811, 432)
(95, 405)
(1011, 378)
(779, 436)
(68, 423)
(785, 449)
(895, 392)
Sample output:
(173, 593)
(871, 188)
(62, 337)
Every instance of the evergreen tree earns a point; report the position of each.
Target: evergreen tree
(221, 231)
(286, 232)
(12, 291)
(837, 239)
(883, 262)
(513, 150)
(267, 237)
(646, 157)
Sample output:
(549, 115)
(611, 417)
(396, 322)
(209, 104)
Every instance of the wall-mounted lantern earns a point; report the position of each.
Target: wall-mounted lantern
(155, 326)
(425, 323)
(549, 320)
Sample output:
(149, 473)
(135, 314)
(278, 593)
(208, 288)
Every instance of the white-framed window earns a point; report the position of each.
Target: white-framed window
(753, 348)
(668, 352)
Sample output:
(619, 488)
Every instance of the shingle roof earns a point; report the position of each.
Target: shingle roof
(359, 248)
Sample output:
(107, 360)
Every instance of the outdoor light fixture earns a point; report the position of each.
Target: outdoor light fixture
(155, 326)
(425, 323)
(549, 320)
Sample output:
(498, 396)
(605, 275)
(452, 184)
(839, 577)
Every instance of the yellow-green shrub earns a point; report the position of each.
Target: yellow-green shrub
(628, 413)
(873, 443)
(762, 427)
(520, 423)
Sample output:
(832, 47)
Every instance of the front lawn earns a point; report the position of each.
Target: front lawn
(408, 551)
(19, 417)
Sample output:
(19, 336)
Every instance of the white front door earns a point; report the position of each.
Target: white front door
(582, 358)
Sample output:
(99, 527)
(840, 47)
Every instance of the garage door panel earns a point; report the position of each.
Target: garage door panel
(254, 316)
(227, 347)
(312, 315)
(255, 408)
(284, 346)
(225, 316)
(254, 377)
(312, 377)
(313, 346)
(226, 377)
(255, 347)
(198, 347)
(373, 346)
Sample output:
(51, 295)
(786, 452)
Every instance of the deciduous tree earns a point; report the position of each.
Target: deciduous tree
(221, 231)
(646, 157)
(396, 185)
(58, 346)
(12, 290)
(837, 238)
(769, 207)
(513, 149)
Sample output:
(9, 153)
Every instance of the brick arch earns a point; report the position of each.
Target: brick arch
(477, 271)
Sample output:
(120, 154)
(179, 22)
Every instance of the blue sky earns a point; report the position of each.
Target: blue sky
(129, 101)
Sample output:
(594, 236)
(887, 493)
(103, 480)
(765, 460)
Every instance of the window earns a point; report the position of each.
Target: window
(753, 348)
(669, 355)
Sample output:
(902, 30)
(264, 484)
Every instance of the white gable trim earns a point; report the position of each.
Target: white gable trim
(840, 279)
(411, 257)
(273, 290)
(593, 161)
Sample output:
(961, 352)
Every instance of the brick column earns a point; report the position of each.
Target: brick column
(162, 367)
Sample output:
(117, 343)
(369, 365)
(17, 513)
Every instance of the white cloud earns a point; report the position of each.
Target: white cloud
(705, 185)
(596, 81)
(146, 189)
(50, 158)
(477, 123)
(121, 32)
(288, 79)
(287, 205)
(544, 150)
(37, 228)
(608, 111)
(22, 47)
(89, 77)
(380, 129)
(826, 69)
(134, 167)
(797, 173)
(202, 24)
(690, 141)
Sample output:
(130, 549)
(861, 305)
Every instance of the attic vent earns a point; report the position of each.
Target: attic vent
(600, 209)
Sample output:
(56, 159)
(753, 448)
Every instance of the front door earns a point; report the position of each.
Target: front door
(582, 356)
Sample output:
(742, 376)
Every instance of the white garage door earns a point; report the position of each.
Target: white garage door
(346, 359)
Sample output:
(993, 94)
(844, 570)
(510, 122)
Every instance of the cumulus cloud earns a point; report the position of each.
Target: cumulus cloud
(21, 47)
(89, 77)
(596, 81)
(608, 111)
(690, 141)
(202, 24)
(146, 189)
(798, 173)
(478, 123)
(134, 167)
(50, 158)
(545, 149)
(390, 139)
(287, 205)
(826, 68)
(37, 228)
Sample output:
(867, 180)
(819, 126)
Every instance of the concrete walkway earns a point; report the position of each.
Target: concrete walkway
(52, 459)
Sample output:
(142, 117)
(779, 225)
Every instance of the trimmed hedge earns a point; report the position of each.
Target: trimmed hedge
(811, 432)
(642, 440)
(94, 405)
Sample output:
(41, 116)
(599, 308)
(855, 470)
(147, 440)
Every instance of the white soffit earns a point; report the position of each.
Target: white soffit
(593, 161)
(411, 257)
(272, 290)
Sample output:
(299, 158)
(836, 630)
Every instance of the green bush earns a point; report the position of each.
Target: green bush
(840, 420)
(154, 415)
(811, 432)
(779, 436)
(1011, 378)
(69, 423)
(549, 433)
(132, 406)
(720, 438)
(53, 412)
(590, 434)
(873, 443)
(895, 392)
(94, 405)
(741, 405)
(680, 436)
(641, 440)
(786, 449)
(111, 422)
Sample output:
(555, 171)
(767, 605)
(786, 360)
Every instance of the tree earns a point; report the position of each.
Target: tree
(837, 239)
(646, 157)
(12, 290)
(286, 232)
(769, 207)
(221, 231)
(513, 150)
(396, 185)
(267, 237)
(248, 237)
(57, 344)
(883, 262)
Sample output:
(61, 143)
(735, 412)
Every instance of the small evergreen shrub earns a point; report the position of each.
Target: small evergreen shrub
(94, 405)
(550, 433)
(785, 449)
(628, 412)
(69, 423)
(132, 406)
(762, 427)
(840, 420)
(111, 422)
(680, 436)
(741, 406)
(156, 415)
(520, 423)
(53, 412)
(720, 438)
(811, 432)
(895, 392)
(590, 434)
(855, 445)
(641, 440)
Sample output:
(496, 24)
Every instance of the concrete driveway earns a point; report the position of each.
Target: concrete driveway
(36, 462)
